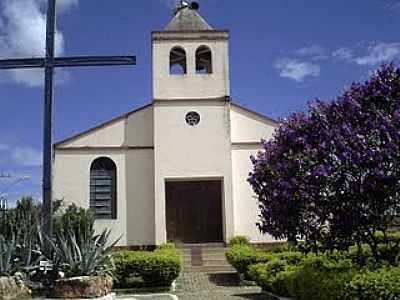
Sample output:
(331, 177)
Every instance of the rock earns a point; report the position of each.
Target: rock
(82, 287)
(13, 288)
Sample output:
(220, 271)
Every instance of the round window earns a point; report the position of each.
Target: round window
(192, 118)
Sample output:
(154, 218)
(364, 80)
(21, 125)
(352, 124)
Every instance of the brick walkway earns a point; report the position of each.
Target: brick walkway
(214, 286)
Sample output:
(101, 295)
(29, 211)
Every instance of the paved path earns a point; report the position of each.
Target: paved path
(206, 286)
(215, 286)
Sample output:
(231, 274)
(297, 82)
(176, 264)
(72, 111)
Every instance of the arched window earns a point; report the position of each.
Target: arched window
(204, 60)
(103, 188)
(177, 61)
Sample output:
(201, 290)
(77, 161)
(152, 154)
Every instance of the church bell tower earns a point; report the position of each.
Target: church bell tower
(190, 58)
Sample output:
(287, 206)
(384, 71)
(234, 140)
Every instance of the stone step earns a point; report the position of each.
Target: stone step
(207, 256)
(215, 262)
(209, 269)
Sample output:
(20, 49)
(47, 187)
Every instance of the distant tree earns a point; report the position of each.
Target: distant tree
(332, 176)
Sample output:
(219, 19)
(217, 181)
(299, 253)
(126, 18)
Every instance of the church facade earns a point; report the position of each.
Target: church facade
(175, 169)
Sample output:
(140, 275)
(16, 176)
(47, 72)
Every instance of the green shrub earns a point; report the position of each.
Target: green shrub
(241, 257)
(319, 277)
(274, 276)
(158, 268)
(22, 225)
(382, 284)
(76, 219)
(239, 240)
(291, 257)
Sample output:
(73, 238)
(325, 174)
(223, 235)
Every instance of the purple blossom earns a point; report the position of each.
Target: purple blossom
(340, 162)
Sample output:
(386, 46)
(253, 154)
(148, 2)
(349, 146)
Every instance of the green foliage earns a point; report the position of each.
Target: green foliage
(319, 277)
(84, 255)
(291, 257)
(241, 257)
(277, 275)
(7, 256)
(274, 276)
(22, 225)
(158, 268)
(75, 219)
(239, 240)
(167, 246)
(77, 250)
(381, 284)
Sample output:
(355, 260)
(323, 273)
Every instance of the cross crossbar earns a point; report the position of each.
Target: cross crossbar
(73, 61)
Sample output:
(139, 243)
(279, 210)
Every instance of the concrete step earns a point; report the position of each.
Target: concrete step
(209, 269)
(213, 255)
(215, 263)
(210, 256)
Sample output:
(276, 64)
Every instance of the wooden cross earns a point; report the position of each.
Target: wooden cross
(49, 63)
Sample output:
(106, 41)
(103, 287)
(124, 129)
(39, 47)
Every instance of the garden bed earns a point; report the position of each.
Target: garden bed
(289, 274)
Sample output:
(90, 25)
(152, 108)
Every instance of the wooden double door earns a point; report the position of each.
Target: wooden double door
(194, 211)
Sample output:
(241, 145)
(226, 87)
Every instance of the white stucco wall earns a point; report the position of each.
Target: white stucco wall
(140, 197)
(192, 152)
(72, 183)
(246, 206)
(132, 129)
(135, 174)
(139, 128)
(191, 85)
(249, 127)
(111, 135)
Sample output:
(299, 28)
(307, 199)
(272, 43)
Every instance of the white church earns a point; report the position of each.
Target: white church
(176, 169)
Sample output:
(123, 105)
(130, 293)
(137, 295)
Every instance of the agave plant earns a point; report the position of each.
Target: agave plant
(8, 262)
(83, 254)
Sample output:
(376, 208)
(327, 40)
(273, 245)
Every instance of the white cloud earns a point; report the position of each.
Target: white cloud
(23, 32)
(380, 53)
(297, 70)
(314, 52)
(26, 156)
(393, 5)
(344, 53)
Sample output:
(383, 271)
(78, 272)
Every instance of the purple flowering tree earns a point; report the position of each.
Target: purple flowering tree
(331, 176)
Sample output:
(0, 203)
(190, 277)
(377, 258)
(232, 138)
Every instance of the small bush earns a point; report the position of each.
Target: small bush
(241, 257)
(274, 276)
(158, 268)
(76, 219)
(291, 257)
(319, 277)
(239, 240)
(381, 284)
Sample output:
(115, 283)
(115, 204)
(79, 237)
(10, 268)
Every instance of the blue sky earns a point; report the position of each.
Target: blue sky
(283, 54)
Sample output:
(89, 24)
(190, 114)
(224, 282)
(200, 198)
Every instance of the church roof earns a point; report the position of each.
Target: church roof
(187, 19)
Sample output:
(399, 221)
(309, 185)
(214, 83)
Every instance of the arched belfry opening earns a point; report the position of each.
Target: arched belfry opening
(204, 60)
(177, 61)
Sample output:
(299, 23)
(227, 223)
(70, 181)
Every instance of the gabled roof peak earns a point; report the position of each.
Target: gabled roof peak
(187, 19)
